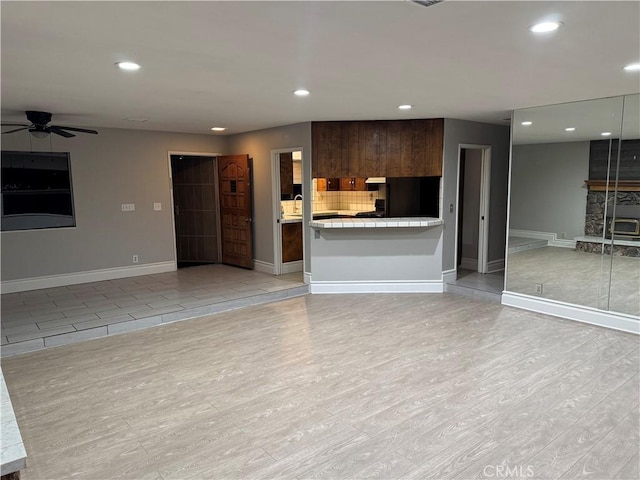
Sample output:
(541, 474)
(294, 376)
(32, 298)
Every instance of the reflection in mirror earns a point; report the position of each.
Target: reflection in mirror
(561, 157)
(622, 224)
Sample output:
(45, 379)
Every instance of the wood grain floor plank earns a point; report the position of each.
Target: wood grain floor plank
(615, 449)
(346, 386)
(595, 424)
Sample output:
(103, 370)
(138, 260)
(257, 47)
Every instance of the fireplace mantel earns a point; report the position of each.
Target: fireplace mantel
(623, 185)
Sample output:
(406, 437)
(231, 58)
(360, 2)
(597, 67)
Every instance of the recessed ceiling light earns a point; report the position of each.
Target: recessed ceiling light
(131, 66)
(569, 129)
(218, 129)
(605, 134)
(301, 92)
(526, 124)
(545, 27)
(632, 67)
(405, 107)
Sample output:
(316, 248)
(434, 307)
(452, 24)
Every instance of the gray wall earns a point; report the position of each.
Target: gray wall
(497, 136)
(547, 187)
(258, 145)
(471, 203)
(117, 166)
(377, 254)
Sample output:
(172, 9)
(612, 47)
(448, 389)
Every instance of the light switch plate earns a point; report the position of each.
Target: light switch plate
(128, 207)
(157, 206)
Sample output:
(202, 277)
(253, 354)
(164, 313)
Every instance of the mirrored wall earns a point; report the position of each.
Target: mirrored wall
(574, 219)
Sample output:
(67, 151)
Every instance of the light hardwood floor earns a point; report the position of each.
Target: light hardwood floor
(577, 277)
(336, 386)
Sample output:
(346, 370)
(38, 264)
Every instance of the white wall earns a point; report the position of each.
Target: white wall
(547, 188)
(117, 166)
(258, 145)
(457, 132)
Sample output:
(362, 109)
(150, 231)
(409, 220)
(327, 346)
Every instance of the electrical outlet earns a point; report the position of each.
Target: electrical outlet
(451, 208)
(539, 288)
(563, 235)
(157, 206)
(128, 207)
(135, 259)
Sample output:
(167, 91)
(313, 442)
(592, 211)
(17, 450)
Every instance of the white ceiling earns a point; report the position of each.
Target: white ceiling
(235, 64)
(619, 116)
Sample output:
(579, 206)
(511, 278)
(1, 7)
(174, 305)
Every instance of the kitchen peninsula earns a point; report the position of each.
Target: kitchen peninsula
(377, 255)
(380, 253)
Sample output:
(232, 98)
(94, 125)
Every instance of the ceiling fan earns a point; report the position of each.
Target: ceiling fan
(40, 128)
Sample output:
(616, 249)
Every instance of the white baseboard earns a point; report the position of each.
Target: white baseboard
(291, 267)
(264, 267)
(469, 263)
(36, 283)
(434, 286)
(307, 278)
(592, 316)
(449, 276)
(551, 237)
(495, 266)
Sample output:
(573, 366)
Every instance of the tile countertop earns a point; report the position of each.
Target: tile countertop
(296, 218)
(13, 456)
(400, 222)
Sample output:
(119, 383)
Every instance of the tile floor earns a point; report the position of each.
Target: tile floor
(482, 286)
(55, 316)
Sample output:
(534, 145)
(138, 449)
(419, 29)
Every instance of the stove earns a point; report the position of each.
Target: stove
(379, 212)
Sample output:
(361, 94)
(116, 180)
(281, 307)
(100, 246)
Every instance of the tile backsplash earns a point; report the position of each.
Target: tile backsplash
(329, 201)
(354, 201)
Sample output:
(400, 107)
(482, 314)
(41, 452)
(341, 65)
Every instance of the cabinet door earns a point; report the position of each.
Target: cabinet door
(346, 184)
(321, 184)
(359, 184)
(333, 184)
(375, 148)
(435, 145)
(353, 153)
(327, 149)
(291, 242)
(399, 161)
(286, 175)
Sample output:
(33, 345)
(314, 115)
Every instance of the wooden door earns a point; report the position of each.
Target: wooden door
(194, 206)
(234, 178)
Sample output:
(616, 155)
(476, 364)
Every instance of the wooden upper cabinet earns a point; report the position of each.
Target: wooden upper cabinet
(353, 184)
(286, 174)
(327, 149)
(389, 148)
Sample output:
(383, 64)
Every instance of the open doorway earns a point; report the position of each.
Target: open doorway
(472, 251)
(288, 210)
(195, 209)
(212, 211)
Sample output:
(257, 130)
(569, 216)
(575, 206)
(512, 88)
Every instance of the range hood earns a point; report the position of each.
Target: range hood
(376, 180)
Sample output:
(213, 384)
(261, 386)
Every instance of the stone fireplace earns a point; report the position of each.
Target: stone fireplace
(602, 202)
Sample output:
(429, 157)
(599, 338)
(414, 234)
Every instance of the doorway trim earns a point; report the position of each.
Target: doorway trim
(483, 220)
(280, 268)
(170, 153)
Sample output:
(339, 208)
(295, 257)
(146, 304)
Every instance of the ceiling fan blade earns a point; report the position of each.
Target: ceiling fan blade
(15, 130)
(74, 129)
(14, 125)
(59, 131)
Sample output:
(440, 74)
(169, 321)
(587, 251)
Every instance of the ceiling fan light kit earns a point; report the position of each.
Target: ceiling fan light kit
(40, 128)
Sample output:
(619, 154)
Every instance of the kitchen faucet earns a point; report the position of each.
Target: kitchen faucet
(295, 205)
